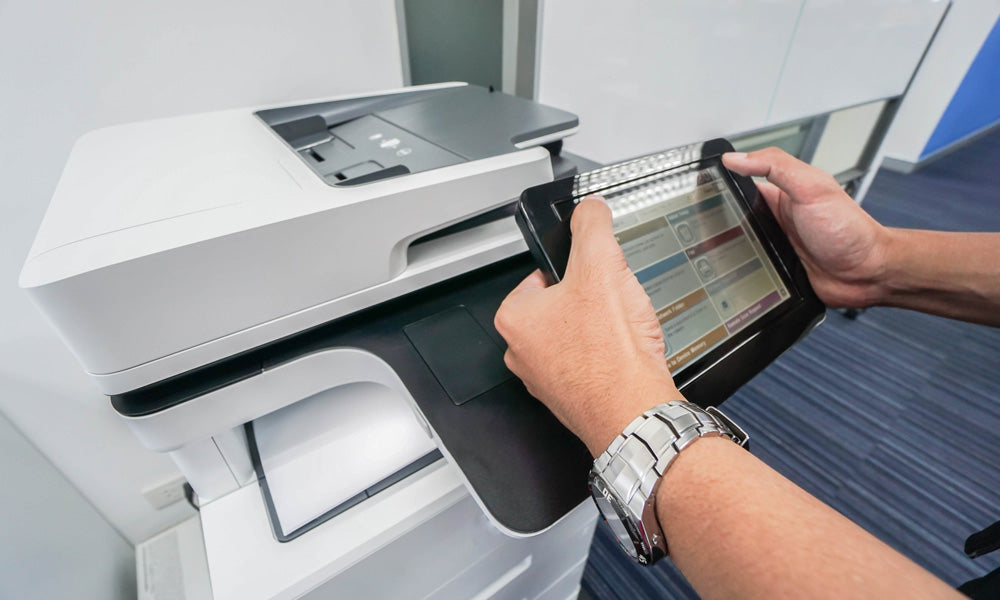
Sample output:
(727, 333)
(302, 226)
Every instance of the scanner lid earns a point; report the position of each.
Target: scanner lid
(176, 242)
(348, 143)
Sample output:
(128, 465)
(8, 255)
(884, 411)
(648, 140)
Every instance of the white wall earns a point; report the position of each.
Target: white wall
(847, 52)
(965, 27)
(644, 76)
(845, 137)
(69, 67)
(54, 544)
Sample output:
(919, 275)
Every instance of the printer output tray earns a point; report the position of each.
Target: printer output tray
(526, 469)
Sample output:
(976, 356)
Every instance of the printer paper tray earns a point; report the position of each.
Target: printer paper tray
(316, 459)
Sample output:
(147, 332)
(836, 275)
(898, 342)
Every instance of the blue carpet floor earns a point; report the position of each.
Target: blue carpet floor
(892, 419)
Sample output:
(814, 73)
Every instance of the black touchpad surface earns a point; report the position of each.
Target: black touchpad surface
(463, 357)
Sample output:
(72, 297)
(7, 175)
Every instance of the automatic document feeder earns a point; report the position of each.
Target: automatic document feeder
(296, 303)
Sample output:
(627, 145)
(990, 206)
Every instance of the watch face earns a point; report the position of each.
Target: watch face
(611, 511)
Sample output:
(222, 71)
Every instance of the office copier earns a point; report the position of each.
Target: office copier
(296, 304)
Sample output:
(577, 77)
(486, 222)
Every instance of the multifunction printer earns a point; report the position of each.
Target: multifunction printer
(296, 304)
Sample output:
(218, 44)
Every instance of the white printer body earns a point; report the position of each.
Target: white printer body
(175, 250)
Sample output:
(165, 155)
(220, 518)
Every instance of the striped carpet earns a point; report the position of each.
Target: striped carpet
(893, 419)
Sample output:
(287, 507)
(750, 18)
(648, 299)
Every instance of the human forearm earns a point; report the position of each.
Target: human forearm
(738, 529)
(954, 275)
(591, 348)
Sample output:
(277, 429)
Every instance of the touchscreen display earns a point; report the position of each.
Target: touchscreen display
(687, 240)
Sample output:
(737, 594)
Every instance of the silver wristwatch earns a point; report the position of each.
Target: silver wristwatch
(626, 476)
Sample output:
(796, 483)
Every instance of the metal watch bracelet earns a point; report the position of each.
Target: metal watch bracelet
(626, 476)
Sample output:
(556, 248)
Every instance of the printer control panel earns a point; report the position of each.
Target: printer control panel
(361, 140)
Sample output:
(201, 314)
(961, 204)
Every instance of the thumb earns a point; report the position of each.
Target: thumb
(801, 181)
(594, 246)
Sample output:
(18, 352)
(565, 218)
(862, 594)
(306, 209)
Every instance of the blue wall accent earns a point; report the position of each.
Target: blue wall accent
(976, 103)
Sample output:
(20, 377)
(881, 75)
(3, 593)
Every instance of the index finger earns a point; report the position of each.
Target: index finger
(801, 181)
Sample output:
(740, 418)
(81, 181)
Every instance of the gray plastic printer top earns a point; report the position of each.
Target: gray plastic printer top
(356, 141)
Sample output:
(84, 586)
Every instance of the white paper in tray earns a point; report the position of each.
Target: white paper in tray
(329, 447)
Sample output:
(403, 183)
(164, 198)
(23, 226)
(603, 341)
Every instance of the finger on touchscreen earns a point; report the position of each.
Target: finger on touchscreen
(593, 242)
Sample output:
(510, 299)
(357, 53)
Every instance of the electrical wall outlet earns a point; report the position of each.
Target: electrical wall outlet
(166, 493)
